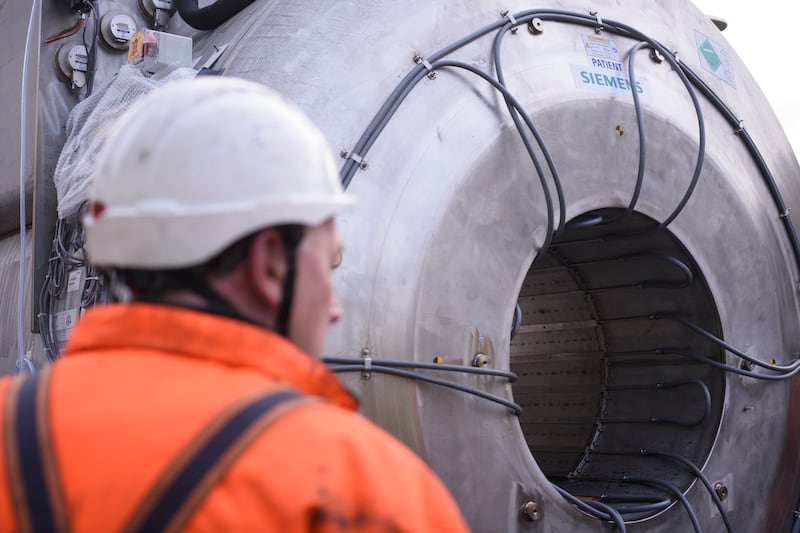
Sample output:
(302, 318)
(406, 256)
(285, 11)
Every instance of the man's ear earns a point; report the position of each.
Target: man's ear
(266, 267)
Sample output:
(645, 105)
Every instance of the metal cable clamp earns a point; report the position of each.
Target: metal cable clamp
(358, 159)
(419, 60)
(507, 14)
(599, 27)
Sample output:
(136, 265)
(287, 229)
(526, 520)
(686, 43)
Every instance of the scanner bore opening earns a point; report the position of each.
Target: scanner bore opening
(600, 380)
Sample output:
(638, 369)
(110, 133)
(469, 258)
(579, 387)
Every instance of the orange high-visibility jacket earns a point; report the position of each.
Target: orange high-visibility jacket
(138, 382)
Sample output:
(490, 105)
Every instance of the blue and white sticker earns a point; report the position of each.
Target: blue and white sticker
(606, 72)
(715, 58)
(607, 80)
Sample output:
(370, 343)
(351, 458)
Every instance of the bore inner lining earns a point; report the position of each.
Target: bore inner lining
(600, 378)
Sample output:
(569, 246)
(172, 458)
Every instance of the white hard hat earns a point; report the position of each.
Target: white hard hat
(198, 164)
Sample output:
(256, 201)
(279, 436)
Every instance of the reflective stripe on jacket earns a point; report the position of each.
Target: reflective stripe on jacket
(138, 382)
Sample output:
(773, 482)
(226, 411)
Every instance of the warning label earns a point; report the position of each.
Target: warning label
(600, 48)
(606, 71)
(715, 58)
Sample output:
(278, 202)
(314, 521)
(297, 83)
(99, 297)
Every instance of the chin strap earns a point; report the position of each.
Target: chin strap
(217, 304)
(195, 280)
(291, 237)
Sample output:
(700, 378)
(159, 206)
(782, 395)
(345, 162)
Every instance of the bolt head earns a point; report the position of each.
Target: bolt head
(530, 511)
(535, 26)
(656, 56)
(481, 360)
(721, 490)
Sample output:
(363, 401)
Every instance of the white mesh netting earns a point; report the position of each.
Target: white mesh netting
(87, 127)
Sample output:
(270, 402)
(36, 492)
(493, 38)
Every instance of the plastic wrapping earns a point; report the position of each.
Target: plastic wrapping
(87, 127)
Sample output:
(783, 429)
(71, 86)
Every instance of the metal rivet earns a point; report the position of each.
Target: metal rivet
(535, 26)
(530, 510)
(721, 490)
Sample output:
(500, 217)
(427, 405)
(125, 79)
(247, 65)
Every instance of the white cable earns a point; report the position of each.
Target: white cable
(23, 156)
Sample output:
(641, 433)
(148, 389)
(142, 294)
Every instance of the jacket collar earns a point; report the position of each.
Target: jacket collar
(190, 333)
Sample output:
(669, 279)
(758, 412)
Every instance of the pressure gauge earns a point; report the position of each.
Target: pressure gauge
(72, 63)
(117, 29)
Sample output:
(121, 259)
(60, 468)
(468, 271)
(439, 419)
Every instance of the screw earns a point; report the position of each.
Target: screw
(363, 165)
(431, 75)
(530, 510)
(535, 26)
(721, 490)
(746, 365)
(344, 154)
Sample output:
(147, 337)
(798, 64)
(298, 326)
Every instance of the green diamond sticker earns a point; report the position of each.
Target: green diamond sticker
(710, 55)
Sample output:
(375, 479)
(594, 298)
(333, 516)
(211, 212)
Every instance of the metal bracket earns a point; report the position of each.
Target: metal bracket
(599, 27)
(366, 374)
(739, 127)
(785, 213)
(419, 60)
(507, 14)
(362, 163)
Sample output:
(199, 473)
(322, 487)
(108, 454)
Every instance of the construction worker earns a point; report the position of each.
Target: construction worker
(202, 405)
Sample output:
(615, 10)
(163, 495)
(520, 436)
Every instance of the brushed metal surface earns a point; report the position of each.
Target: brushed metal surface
(451, 217)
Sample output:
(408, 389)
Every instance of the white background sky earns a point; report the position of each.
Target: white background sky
(764, 35)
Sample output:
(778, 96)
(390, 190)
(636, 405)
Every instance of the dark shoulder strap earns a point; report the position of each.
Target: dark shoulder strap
(36, 494)
(183, 486)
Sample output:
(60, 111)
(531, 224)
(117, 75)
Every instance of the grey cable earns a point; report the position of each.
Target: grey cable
(435, 381)
(702, 477)
(640, 124)
(542, 146)
(516, 105)
(674, 490)
(728, 368)
(793, 367)
(23, 219)
(598, 510)
(399, 363)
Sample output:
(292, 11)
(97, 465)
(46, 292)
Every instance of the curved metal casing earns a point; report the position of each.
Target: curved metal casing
(451, 216)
